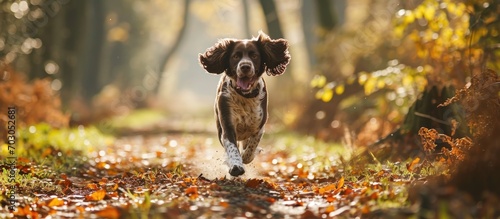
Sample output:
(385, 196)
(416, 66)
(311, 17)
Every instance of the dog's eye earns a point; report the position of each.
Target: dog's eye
(254, 56)
(236, 56)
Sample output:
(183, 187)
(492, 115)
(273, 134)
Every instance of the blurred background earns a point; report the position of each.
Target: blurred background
(357, 66)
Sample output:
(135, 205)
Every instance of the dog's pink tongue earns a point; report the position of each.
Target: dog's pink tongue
(244, 83)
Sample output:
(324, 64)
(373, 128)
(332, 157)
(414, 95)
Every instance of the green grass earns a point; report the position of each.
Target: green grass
(34, 140)
(137, 119)
(44, 153)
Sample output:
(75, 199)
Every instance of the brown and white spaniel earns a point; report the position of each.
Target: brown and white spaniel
(241, 102)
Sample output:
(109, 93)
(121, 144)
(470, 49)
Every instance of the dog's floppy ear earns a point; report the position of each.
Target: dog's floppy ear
(215, 59)
(275, 54)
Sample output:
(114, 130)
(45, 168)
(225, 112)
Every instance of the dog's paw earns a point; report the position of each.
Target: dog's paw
(237, 170)
(249, 155)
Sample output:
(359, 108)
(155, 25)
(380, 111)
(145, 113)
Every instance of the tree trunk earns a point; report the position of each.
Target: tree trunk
(326, 15)
(272, 18)
(246, 19)
(180, 36)
(92, 43)
(309, 30)
(73, 17)
(326, 21)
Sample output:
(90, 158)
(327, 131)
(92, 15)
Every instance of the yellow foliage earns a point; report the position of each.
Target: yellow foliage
(319, 94)
(443, 33)
(429, 12)
(370, 86)
(409, 17)
(407, 80)
(339, 89)
(363, 77)
(318, 81)
(327, 95)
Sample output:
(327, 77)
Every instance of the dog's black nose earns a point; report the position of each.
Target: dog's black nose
(245, 67)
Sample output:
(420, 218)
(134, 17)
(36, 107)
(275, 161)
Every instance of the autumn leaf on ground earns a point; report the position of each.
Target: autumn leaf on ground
(92, 186)
(80, 209)
(26, 211)
(109, 212)
(329, 209)
(214, 186)
(55, 202)
(411, 166)
(103, 181)
(224, 204)
(192, 192)
(340, 183)
(65, 182)
(326, 189)
(96, 196)
(253, 183)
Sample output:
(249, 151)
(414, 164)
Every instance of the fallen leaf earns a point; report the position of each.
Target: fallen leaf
(271, 200)
(192, 192)
(23, 211)
(52, 212)
(329, 209)
(96, 196)
(340, 183)
(191, 180)
(92, 186)
(109, 212)
(65, 182)
(253, 183)
(302, 173)
(347, 191)
(224, 204)
(412, 165)
(80, 209)
(55, 202)
(214, 186)
(114, 187)
(113, 194)
(330, 198)
(101, 165)
(326, 189)
(103, 181)
(365, 209)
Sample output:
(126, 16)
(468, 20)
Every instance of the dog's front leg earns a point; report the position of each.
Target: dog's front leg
(234, 160)
(227, 137)
(250, 146)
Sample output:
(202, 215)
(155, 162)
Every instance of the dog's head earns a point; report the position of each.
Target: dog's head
(244, 61)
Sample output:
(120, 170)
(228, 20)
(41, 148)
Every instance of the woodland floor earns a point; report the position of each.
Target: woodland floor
(183, 175)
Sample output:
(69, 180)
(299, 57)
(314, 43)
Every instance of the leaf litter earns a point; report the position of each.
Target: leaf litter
(184, 176)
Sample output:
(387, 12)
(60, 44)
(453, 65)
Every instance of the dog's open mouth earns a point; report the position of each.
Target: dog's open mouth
(244, 84)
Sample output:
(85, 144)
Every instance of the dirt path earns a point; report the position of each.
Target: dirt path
(184, 176)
